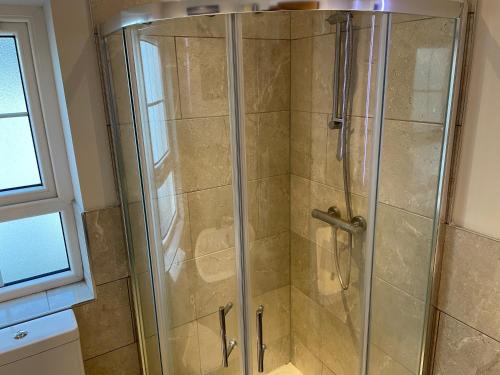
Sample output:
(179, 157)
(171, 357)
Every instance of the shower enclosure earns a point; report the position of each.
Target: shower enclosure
(282, 173)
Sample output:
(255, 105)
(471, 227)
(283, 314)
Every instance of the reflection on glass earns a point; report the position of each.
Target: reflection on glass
(18, 162)
(42, 252)
(167, 205)
(155, 101)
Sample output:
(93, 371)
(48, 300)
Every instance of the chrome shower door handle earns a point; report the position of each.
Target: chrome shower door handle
(226, 347)
(261, 347)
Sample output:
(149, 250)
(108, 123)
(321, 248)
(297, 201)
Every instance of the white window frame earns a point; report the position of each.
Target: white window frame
(27, 24)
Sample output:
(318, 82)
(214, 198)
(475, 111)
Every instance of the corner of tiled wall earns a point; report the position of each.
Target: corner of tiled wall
(468, 330)
(107, 334)
(468, 340)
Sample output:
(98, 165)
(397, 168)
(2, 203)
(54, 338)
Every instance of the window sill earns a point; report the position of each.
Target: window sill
(44, 303)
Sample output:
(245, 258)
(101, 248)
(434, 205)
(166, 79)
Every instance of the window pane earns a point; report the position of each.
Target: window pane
(32, 247)
(18, 163)
(11, 88)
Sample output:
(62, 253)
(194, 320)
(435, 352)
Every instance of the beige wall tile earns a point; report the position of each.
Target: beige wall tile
(202, 153)
(270, 263)
(419, 70)
(397, 323)
(253, 209)
(120, 361)
(308, 143)
(277, 354)
(266, 25)
(470, 280)
(312, 73)
(310, 23)
(184, 349)
(182, 284)
(106, 324)
(403, 249)
(251, 136)
(276, 317)
(410, 166)
(360, 156)
(266, 65)
(214, 276)
(210, 346)
(274, 205)
(326, 371)
(202, 81)
(273, 143)
(300, 200)
(303, 266)
(314, 274)
(267, 144)
(340, 348)
(211, 217)
(303, 358)
(461, 350)
(202, 26)
(306, 320)
(380, 363)
(107, 245)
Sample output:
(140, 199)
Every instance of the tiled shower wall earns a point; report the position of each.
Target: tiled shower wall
(106, 325)
(325, 324)
(468, 333)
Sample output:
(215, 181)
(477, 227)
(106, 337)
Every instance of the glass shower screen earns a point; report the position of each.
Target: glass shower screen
(279, 176)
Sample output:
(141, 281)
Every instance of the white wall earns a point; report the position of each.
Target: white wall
(477, 198)
(75, 56)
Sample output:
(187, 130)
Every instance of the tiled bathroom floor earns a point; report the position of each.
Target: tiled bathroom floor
(288, 369)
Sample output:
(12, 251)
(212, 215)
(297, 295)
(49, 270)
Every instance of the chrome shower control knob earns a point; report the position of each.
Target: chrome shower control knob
(334, 211)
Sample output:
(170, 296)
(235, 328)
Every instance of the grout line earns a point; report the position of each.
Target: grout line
(468, 325)
(112, 350)
(358, 195)
(111, 281)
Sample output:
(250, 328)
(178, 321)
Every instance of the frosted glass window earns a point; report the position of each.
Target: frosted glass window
(18, 159)
(32, 247)
(18, 162)
(11, 86)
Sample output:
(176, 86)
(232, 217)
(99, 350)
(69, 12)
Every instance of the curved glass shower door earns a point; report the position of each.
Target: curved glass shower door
(280, 175)
(295, 68)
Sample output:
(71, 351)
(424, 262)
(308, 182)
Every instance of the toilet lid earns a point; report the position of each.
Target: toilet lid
(35, 336)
